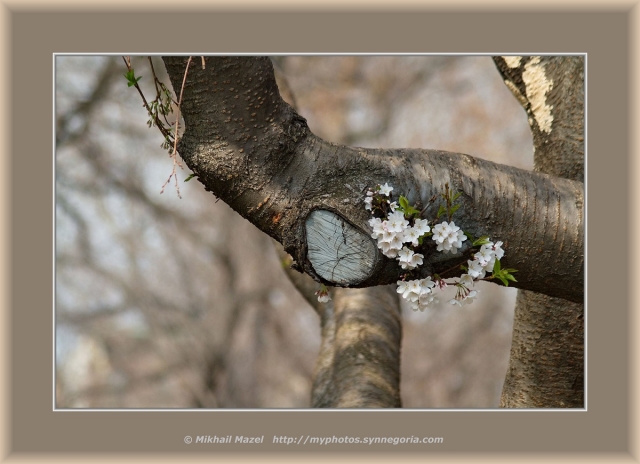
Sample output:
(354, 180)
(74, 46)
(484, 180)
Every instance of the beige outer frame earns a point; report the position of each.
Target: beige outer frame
(54, 427)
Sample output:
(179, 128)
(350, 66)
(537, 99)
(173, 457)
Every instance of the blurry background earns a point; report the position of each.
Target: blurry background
(164, 302)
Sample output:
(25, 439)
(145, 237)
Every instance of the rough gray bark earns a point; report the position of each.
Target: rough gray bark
(546, 366)
(252, 150)
(359, 361)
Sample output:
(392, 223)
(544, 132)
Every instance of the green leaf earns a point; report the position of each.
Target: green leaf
(496, 267)
(481, 241)
(403, 202)
(411, 211)
(455, 208)
(510, 277)
(131, 77)
(133, 82)
(190, 177)
(456, 196)
(441, 211)
(469, 236)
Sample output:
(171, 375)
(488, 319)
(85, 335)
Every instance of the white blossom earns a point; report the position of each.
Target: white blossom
(418, 293)
(475, 269)
(485, 255)
(396, 222)
(470, 298)
(497, 249)
(427, 284)
(413, 290)
(385, 189)
(378, 227)
(387, 250)
(466, 280)
(402, 286)
(416, 260)
(448, 236)
(397, 241)
(440, 232)
(408, 259)
(488, 254)
(406, 264)
(421, 226)
(405, 254)
(411, 235)
(387, 235)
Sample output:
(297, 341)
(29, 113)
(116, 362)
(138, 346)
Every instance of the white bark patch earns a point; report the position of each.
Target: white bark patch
(537, 86)
(512, 61)
(338, 252)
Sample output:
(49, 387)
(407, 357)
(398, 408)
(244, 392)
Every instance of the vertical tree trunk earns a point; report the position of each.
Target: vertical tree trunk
(546, 367)
(359, 361)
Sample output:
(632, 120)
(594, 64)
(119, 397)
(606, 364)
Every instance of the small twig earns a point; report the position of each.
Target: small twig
(431, 200)
(156, 81)
(448, 200)
(161, 128)
(202, 61)
(174, 154)
(155, 78)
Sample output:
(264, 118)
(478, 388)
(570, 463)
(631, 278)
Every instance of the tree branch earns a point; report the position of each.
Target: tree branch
(252, 150)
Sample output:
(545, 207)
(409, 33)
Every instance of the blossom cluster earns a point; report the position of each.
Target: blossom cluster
(485, 259)
(448, 236)
(402, 230)
(417, 292)
(464, 294)
(395, 231)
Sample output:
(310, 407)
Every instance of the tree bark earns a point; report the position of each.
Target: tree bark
(359, 361)
(361, 330)
(546, 367)
(252, 150)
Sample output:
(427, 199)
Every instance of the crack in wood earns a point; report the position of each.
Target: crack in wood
(339, 252)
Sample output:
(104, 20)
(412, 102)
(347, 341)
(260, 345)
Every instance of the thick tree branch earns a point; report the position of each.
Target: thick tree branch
(250, 149)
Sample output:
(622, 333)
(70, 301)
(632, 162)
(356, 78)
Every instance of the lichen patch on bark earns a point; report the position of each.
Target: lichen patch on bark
(537, 87)
(512, 61)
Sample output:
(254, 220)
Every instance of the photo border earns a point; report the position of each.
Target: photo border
(32, 427)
